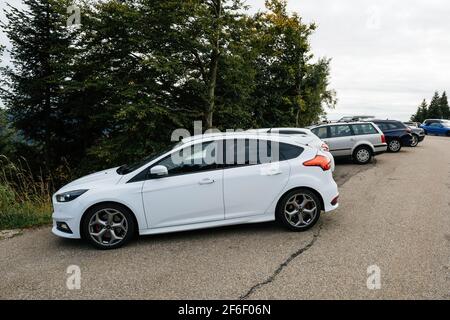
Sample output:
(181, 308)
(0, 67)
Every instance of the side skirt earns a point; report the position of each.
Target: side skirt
(206, 225)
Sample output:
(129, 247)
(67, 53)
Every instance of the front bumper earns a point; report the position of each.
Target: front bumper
(70, 214)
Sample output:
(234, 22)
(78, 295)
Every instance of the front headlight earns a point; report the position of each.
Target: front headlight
(69, 196)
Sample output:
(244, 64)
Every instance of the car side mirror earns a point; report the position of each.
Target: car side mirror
(159, 171)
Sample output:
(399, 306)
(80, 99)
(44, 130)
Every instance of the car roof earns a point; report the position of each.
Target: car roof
(341, 124)
(242, 135)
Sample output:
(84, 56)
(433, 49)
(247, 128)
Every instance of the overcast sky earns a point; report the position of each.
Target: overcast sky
(387, 55)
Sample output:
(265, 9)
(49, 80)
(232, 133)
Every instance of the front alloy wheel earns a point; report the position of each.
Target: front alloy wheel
(108, 226)
(394, 146)
(299, 210)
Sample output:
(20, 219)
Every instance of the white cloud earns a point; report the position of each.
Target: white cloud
(387, 55)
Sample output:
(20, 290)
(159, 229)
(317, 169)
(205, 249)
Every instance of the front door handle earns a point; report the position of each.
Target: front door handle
(206, 181)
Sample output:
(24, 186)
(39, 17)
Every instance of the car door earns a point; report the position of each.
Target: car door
(436, 128)
(366, 133)
(252, 183)
(340, 140)
(192, 192)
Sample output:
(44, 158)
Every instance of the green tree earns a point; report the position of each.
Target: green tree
(421, 113)
(34, 96)
(445, 109)
(291, 90)
(434, 110)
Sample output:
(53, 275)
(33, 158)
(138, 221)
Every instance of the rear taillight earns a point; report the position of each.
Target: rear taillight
(319, 161)
(335, 201)
(383, 138)
(408, 130)
(325, 147)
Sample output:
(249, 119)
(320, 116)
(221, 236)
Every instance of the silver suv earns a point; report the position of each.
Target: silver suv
(359, 141)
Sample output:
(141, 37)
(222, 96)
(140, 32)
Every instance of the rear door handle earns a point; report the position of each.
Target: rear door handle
(206, 181)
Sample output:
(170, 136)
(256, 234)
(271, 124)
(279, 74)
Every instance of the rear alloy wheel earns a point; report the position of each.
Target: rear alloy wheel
(414, 141)
(299, 210)
(394, 146)
(362, 155)
(108, 226)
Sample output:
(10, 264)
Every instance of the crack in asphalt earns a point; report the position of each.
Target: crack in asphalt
(283, 265)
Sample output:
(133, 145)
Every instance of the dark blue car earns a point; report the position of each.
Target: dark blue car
(397, 134)
(436, 126)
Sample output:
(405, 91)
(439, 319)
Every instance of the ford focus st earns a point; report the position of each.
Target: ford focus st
(203, 182)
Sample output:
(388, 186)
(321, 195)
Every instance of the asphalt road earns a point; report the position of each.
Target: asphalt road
(395, 214)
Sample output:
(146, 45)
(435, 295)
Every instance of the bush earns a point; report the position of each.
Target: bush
(25, 201)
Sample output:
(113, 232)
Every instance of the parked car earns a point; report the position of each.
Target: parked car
(303, 136)
(358, 140)
(418, 134)
(397, 134)
(436, 126)
(412, 124)
(205, 181)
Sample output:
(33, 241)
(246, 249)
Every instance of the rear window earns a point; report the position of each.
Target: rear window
(363, 129)
(290, 132)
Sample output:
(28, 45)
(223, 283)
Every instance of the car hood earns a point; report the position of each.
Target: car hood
(109, 176)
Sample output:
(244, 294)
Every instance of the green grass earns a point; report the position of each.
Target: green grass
(25, 201)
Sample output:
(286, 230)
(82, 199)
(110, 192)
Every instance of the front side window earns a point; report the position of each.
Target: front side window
(363, 129)
(340, 131)
(321, 132)
(196, 158)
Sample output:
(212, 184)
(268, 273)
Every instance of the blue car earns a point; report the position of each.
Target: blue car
(437, 127)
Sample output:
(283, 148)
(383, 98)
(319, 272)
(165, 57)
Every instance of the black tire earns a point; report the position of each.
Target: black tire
(394, 146)
(120, 215)
(311, 221)
(448, 133)
(414, 141)
(425, 131)
(362, 155)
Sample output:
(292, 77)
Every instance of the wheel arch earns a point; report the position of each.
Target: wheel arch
(83, 217)
(322, 203)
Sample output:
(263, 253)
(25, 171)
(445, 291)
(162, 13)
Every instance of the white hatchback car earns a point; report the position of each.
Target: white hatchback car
(205, 181)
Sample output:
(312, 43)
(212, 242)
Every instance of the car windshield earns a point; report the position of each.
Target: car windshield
(128, 168)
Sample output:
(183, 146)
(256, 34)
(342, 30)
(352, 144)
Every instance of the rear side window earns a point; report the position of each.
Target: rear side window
(363, 129)
(247, 152)
(321, 132)
(289, 151)
(340, 131)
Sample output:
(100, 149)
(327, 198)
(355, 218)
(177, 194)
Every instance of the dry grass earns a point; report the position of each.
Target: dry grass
(25, 198)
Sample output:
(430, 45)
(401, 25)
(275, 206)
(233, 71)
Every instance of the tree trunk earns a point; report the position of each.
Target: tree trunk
(214, 64)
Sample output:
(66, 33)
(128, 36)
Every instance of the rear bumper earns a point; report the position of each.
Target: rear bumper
(380, 149)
